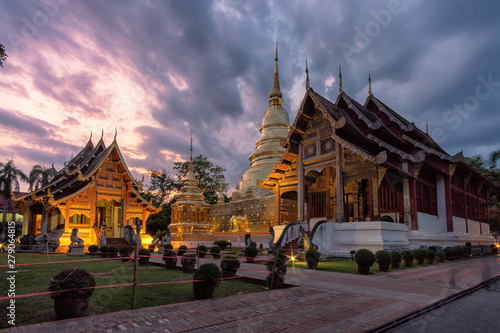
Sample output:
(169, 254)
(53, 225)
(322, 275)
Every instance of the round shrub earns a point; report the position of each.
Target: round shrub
(201, 248)
(406, 255)
(251, 251)
(459, 250)
(280, 268)
(440, 254)
(104, 248)
(215, 249)
(188, 259)
(364, 257)
(169, 256)
(396, 256)
(208, 272)
(312, 255)
(419, 254)
(144, 252)
(383, 257)
(125, 251)
(72, 279)
(467, 250)
(93, 248)
(182, 248)
(450, 252)
(112, 249)
(169, 247)
(430, 253)
(230, 263)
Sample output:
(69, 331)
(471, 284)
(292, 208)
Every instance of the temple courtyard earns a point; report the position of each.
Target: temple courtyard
(320, 301)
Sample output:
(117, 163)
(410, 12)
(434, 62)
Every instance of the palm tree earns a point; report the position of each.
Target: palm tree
(39, 177)
(494, 157)
(9, 183)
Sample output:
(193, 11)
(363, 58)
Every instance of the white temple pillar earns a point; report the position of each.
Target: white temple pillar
(300, 186)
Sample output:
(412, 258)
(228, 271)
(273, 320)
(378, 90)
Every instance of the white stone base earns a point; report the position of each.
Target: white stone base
(76, 250)
(339, 239)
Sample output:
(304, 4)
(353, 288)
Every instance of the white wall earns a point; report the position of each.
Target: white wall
(459, 224)
(428, 222)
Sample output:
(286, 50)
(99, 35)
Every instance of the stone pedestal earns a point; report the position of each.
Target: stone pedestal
(76, 250)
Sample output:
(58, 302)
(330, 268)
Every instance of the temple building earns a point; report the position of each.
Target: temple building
(95, 193)
(375, 180)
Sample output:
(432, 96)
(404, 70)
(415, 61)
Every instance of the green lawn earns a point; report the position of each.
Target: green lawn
(36, 278)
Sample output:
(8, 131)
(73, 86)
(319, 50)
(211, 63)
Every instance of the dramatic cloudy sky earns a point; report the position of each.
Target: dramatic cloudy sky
(157, 69)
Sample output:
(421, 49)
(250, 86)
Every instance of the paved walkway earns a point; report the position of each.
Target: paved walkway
(322, 302)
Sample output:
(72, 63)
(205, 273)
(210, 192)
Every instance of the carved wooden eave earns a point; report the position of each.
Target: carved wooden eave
(428, 149)
(416, 169)
(417, 158)
(390, 114)
(452, 168)
(380, 158)
(352, 105)
(72, 195)
(143, 201)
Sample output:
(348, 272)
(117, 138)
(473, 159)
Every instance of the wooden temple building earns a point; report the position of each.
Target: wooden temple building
(94, 192)
(367, 165)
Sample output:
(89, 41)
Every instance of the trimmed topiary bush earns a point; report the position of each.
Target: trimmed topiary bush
(251, 252)
(450, 253)
(72, 279)
(312, 258)
(93, 248)
(215, 251)
(125, 252)
(169, 246)
(364, 257)
(229, 265)
(395, 259)
(144, 255)
(182, 249)
(440, 256)
(104, 248)
(419, 256)
(383, 260)
(170, 259)
(210, 275)
(430, 253)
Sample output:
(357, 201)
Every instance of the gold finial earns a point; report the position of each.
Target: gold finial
(191, 152)
(369, 84)
(341, 89)
(116, 131)
(275, 95)
(102, 133)
(308, 86)
(426, 126)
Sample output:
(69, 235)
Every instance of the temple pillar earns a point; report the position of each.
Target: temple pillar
(93, 202)
(340, 182)
(144, 218)
(300, 187)
(66, 217)
(413, 203)
(278, 204)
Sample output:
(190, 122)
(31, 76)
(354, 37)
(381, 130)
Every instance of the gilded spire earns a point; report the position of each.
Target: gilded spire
(308, 86)
(341, 89)
(191, 152)
(275, 96)
(369, 85)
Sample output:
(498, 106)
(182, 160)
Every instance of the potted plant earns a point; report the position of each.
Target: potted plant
(104, 251)
(168, 246)
(407, 258)
(182, 249)
(210, 274)
(229, 266)
(440, 256)
(201, 250)
(72, 303)
(418, 256)
(277, 270)
(459, 252)
(467, 252)
(395, 259)
(250, 253)
(222, 244)
(188, 262)
(312, 258)
(383, 260)
(113, 251)
(93, 249)
(215, 251)
(364, 259)
(144, 255)
(125, 253)
(170, 259)
(430, 255)
(450, 253)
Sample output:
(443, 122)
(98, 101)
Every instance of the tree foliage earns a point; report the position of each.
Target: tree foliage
(209, 177)
(3, 55)
(39, 176)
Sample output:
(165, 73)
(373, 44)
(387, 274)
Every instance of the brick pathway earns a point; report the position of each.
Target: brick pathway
(322, 302)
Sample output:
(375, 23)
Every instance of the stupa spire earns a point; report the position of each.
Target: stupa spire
(191, 152)
(308, 85)
(275, 96)
(369, 84)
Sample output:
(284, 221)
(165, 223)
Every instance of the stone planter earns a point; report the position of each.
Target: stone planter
(429, 261)
(407, 263)
(383, 268)
(204, 290)
(365, 270)
(70, 308)
(312, 264)
(419, 262)
(440, 259)
(395, 264)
